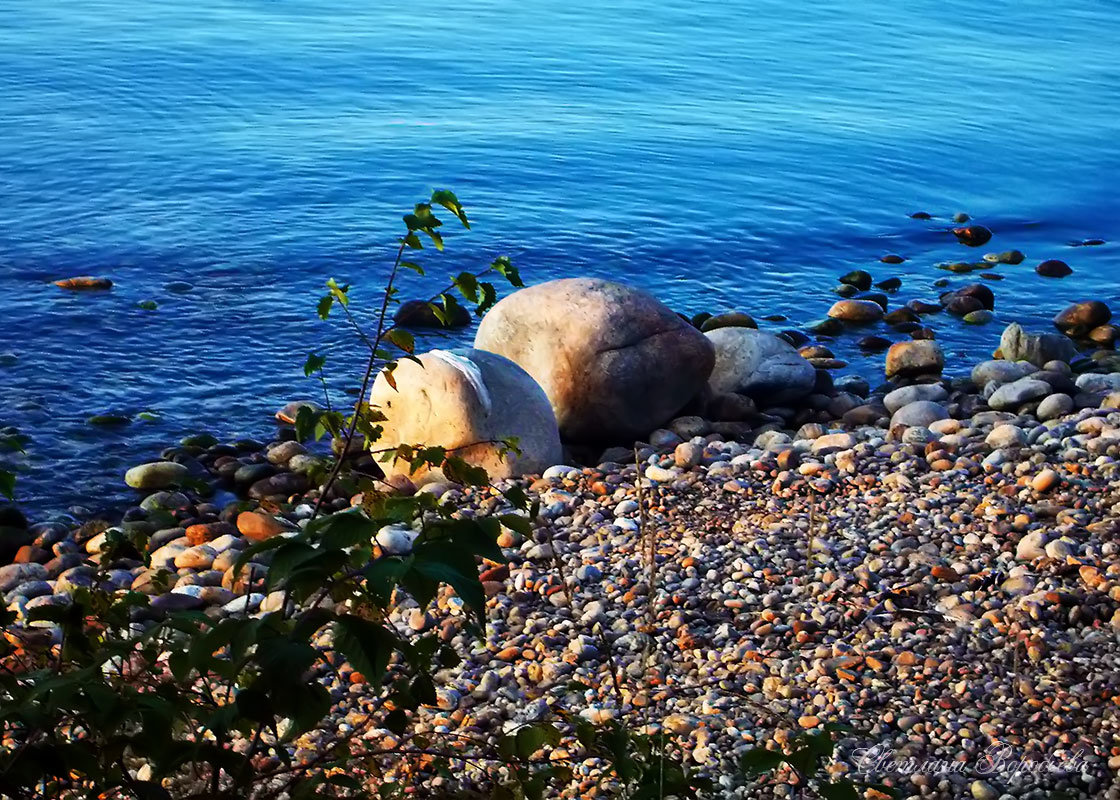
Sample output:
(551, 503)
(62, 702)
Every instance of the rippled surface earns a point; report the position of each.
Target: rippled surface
(722, 155)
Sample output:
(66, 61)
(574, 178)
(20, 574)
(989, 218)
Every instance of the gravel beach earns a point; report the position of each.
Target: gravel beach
(935, 574)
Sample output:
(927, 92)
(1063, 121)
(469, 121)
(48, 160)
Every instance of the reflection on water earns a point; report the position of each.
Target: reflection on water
(725, 156)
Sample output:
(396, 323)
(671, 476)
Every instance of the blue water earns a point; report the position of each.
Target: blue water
(724, 155)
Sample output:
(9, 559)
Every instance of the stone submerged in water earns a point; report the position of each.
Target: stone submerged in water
(1017, 344)
(468, 401)
(156, 475)
(919, 357)
(760, 365)
(85, 283)
(613, 360)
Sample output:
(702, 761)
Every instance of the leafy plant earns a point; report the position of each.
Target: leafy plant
(110, 695)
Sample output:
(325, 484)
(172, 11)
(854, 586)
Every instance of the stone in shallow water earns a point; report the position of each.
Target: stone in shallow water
(758, 364)
(1016, 344)
(1077, 319)
(156, 475)
(856, 311)
(919, 357)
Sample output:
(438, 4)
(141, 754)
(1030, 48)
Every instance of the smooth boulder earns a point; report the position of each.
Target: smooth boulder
(1077, 319)
(1017, 344)
(1014, 394)
(920, 413)
(156, 475)
(613, 360)
(856, 311)
(760, 365)
(917, 357)
(467, 401)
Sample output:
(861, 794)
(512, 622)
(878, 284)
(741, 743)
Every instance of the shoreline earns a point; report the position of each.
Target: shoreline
(850, 568)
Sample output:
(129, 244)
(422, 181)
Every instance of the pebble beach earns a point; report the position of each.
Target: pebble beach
(931, 563)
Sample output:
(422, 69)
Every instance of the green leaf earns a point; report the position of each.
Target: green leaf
(489, 297)
(436, 238)
(343, 529)
(516, 522)
(760, 761)
(366, 645)
(325, 304)
(396, 721)
(447, 199)
(340, 293)
(517, 497)
(7, 484)
(413, 241)
(459, 471)
(412, 265)
(446, 562)
(402, 339)
(148, 416)
(504, 267)
(383, 575)
(313, 364)
(307, 420)
(532, 738)
(467, 284)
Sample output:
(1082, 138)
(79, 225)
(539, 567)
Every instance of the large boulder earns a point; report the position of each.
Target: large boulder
(759, 364)
(467, 401)
(1015, 344)
(613, 360)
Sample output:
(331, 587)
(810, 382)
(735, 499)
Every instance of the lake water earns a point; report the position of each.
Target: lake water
(723, 155)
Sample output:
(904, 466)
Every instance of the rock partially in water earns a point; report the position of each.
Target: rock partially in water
(1012, 257)
(1078, 319)
(919, 357)
(856, 311)
(614, 361)
(973, 235)
(731, 319)
(1017, 344)
(760, 365)
(859, 278)
(156, 475)
(1053, 268)
(419, 314)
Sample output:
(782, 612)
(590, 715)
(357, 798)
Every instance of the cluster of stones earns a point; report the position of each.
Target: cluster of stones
(933, 562)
